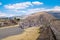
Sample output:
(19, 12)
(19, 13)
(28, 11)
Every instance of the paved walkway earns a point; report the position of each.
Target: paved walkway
(5, 32)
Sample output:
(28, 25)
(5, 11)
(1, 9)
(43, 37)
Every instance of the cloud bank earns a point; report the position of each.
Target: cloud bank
(16, 8)
(22, 5)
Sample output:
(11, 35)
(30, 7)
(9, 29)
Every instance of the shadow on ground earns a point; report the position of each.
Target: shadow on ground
(46, 34)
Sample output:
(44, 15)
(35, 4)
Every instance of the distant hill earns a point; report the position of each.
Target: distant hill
(55, 13)
(36, 19)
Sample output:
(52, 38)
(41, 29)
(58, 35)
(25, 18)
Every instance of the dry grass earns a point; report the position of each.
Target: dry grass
(29, 34)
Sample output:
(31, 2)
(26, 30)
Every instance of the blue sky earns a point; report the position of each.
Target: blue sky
(25, 7)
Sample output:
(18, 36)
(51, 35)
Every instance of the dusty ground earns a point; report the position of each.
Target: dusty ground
(29, 34)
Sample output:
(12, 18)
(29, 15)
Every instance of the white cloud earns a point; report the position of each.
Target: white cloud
(56, 8)
(33, 10)
(10, 15)
(22, 5)
(18, 5)
(2, 14)
(5, 14)
(30, 11)
(0, 3)
(15, 7)
(37, 3)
